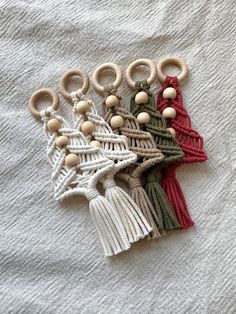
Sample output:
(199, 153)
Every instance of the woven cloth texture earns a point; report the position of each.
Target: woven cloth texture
(51, 261)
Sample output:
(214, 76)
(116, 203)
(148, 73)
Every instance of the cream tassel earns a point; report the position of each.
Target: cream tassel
(108, 224)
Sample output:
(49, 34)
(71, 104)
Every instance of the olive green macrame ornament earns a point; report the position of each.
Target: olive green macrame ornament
(169, 148)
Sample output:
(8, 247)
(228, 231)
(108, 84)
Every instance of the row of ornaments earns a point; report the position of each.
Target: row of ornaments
(116, 122)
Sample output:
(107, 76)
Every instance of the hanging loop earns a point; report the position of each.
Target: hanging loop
(146, 62)
(98, 73)
(37, 95)
(65, 80)
(174, 61)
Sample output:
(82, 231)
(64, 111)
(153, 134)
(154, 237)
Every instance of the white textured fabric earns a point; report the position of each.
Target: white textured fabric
(51, 261)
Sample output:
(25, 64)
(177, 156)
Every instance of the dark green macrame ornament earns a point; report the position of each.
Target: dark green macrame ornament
(170, 149)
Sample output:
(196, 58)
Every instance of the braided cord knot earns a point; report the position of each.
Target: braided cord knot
(91, 193)
(109, 183)
(134, 183)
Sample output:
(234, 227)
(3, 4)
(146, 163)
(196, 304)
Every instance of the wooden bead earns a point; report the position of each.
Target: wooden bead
(117, 122)
(71, 160)
(141, 98)
(124, 138)
(62, 141)
(172, 131)
(169, 92)
(87, 127)
(53, 125)
(95, 144)
(169, 113)
(111, 101)
(143, 118)
(82, 106)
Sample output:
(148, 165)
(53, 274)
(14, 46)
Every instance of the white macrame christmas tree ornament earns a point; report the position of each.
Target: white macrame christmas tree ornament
(116, 149)
(82, 178)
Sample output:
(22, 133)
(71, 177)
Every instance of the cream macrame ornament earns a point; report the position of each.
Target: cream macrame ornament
(78, 174)
(100, 134)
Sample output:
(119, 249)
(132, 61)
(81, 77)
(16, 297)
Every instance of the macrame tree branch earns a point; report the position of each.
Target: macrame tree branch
(142, 144)
(169, 148)
(189, 140)
(116, 149)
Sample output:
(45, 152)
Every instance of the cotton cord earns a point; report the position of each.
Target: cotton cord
(190, 142)
(82, 180)
(169, 148)
(116, 149)
(142, 144)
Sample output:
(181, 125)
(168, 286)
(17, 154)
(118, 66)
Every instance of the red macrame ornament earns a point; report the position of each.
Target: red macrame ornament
(190, 142)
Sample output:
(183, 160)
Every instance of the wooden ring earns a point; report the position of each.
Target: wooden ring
(39, 94)
(149, 63)
(98, 72)
(172, 60)
(67, 76)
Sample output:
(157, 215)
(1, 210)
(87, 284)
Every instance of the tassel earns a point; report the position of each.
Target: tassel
(108, 224)
(166, 217)
(135, 224)
(176, 197)
(190, 142)
(138, 194)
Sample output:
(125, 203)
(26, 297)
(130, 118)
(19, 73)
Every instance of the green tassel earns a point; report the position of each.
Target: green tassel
(166, 218)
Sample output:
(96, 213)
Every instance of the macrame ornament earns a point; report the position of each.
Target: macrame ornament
(139, 142)
(142, 101)
(76, 168)
(170, 104)
(116, 149)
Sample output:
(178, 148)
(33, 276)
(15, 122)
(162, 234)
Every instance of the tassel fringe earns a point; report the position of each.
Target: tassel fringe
(176, 198)
(108, 224)
(140, 197)
(166, 218)
(135, 224)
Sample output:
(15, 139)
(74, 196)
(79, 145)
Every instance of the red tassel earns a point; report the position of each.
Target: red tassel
(190, 142)
(175, 196)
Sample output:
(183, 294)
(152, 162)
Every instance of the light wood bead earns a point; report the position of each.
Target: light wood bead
(71, 160)
(143, 118)
(62, 141)
(53, 125)
(95, 144)
(111, 101)
(172, 131)
(141, 98)
(169, 92)
(87, 127)
(82, 106)
(117, 122)
(169, 113)
(124, 138)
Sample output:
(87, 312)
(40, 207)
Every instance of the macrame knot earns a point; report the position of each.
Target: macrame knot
(153, 177)
(134, 183)
(172, 81)
(46, 113)
(109, 89)
(108, 183)
(75, 96)
(169, 171)
(90, 194)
